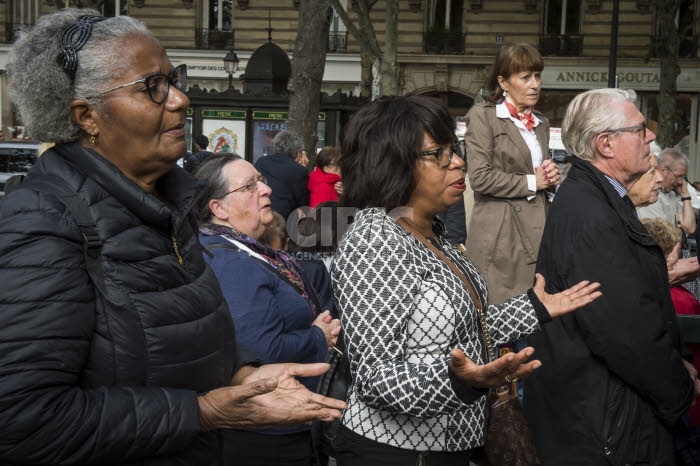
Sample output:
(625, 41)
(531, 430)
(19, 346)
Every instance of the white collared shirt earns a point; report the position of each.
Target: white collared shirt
(530, 139)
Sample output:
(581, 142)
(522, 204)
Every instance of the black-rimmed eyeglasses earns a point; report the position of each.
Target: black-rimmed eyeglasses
(158, 84)
(443, 155)
(250, 186)
(642, 129)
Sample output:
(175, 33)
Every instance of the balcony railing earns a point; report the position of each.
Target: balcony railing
(338, 42)
(687, 48)
(213, 39)
(565, 45)
(443, 43)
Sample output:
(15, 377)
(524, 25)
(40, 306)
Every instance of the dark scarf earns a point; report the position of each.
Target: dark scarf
(283, 264)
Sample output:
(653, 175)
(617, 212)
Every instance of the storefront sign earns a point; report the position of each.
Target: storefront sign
(257, 115)
(224, 114)
(641, 79)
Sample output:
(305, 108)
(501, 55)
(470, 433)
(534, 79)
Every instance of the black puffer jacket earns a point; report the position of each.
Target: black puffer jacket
(612, 383)
(81, 380)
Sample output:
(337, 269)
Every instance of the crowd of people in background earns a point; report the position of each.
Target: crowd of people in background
(151, 314)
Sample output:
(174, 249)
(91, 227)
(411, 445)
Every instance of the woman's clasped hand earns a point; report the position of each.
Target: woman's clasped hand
(547, 174)
(329, 326)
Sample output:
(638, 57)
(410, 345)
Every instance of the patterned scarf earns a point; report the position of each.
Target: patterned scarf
(278, 259)
(525, 118)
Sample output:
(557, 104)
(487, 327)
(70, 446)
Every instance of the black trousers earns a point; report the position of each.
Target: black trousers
(242, 448)
(355, 450)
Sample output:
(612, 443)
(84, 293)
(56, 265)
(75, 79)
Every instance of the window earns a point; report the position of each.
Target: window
(445, 15)
(444, 28)
(216, 25)
(562, 17)
(216, 14)
(106, 7)
(562, 23)
(338, 35)
(685, 22)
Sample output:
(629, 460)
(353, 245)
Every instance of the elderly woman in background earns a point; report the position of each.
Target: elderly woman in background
(507, 143)
(116, 345)
(645, 190)
(277, 312)
(417, 358)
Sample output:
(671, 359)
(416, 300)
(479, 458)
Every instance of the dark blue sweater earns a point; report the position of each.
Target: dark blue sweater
(271, 318)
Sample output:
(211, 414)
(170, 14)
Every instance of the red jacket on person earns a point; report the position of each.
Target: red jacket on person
(321, 187)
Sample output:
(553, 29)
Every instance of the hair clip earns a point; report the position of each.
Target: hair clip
(73, 38)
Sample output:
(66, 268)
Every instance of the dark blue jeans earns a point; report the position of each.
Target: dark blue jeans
(355, 450)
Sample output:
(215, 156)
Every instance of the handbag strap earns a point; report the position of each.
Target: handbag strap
(475, 298)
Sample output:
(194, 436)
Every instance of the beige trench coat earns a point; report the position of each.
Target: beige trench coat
(505, 229)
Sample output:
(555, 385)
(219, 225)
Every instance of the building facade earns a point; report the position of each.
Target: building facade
(445, 47)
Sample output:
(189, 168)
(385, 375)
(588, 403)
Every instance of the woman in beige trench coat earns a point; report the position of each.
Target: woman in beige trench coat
(510, 172)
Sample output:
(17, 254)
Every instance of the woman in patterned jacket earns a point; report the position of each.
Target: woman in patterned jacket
(419, 367)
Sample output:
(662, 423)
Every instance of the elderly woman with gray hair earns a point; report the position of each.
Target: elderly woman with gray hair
(116, 343)
(285, 170)
(277, 312)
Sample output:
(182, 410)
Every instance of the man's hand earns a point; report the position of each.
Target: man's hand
(681, 270)
(268, 396)
(493, 374)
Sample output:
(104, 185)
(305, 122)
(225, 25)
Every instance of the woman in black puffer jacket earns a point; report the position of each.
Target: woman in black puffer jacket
(146, 370)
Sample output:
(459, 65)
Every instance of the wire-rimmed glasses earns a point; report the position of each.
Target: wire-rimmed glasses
(250, 186)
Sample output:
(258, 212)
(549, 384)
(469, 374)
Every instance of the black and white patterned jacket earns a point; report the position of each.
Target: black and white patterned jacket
(403, 310)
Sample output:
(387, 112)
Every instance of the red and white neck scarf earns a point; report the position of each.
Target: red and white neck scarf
(526, 118)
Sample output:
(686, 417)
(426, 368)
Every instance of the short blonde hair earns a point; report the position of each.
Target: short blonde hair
(663, 232)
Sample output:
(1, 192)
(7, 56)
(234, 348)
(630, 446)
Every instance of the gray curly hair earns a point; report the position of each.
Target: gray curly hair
(287, 142)
(43, 92)
(591, 113)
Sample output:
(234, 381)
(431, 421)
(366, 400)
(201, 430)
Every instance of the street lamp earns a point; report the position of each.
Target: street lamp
(231, 66)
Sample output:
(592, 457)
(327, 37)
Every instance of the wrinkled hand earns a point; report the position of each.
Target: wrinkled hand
(268, 396)
(568, 300)
(681, 270)
(693, 373)
(338, 186)
(493, 374)
(329, 326)
(547, 175)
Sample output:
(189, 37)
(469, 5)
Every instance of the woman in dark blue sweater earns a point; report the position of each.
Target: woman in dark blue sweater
(276, 311)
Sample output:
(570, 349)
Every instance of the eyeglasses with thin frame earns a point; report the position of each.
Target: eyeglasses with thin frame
(250, 186)
(443, 155)
(642, 129)
(158, 84)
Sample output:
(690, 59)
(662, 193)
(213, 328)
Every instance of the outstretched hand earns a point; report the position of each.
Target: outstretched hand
(268, 396)
(493, 374)
(568, 300)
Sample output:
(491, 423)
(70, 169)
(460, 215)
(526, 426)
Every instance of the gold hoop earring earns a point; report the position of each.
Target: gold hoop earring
(93, 138)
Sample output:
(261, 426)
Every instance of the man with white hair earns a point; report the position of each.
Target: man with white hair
(612, 382)
(675, 202)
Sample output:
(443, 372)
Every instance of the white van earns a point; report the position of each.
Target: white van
(557, 151)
